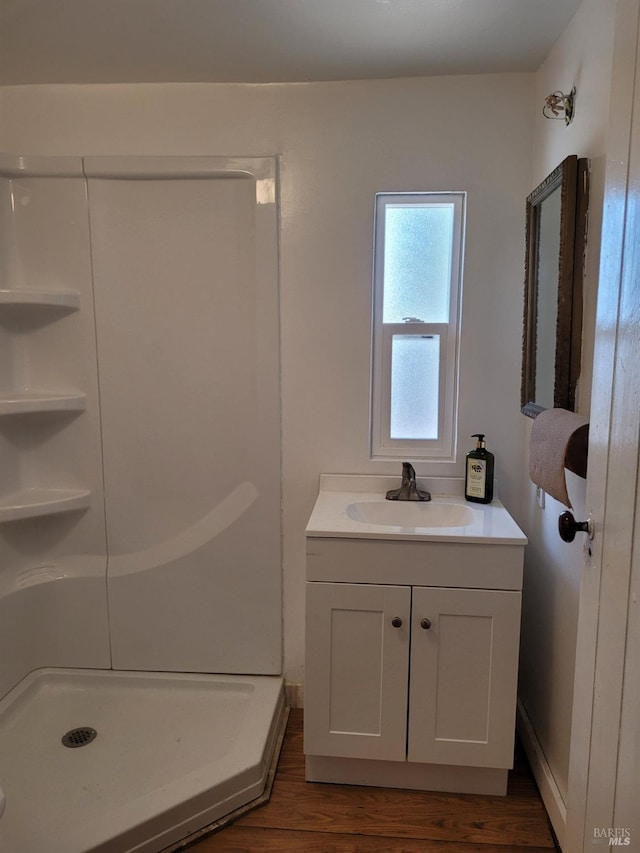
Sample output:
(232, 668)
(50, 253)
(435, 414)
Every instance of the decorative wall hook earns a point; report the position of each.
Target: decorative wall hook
(559, 105)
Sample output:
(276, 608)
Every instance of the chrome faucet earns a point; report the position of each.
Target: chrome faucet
(408, 491)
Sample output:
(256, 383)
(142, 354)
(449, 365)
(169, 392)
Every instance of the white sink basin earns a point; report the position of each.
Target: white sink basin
(353, 506)
(411, 513)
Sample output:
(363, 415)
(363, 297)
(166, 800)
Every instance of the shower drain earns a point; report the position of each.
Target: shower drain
(79, 737)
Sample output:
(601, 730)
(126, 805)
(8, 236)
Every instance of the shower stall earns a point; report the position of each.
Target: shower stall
(140, 567)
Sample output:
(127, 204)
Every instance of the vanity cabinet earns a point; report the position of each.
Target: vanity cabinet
(417, 673)
(412, 683)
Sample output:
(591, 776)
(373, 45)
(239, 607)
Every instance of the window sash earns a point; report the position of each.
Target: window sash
(382, 425)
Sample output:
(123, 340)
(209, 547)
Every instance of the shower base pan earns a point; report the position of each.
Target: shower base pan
(147, 760)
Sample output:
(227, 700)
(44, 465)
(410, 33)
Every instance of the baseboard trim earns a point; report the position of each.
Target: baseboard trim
(549, 791)
(407, 774)
(294, 694)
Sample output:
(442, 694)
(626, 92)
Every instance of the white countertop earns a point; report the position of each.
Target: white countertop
(331, 517)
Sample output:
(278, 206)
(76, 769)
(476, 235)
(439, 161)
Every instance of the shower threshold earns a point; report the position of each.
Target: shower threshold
(172, 753)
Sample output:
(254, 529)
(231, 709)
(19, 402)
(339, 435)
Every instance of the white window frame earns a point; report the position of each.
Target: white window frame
(382, 445)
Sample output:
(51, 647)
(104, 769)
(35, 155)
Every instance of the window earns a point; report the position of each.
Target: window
(416, 320)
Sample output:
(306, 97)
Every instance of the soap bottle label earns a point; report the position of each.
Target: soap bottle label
(476, 477)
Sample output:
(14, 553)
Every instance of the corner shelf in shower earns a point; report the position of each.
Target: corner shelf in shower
(66, 299)
(24, 402)
(32, 503)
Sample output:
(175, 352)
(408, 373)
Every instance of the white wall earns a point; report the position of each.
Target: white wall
(581, 57)
(339, 144)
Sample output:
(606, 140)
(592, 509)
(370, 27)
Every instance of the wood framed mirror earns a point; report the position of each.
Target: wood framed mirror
(556, 217)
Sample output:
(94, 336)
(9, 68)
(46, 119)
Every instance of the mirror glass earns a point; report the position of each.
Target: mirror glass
(556, 221)
(547, 297)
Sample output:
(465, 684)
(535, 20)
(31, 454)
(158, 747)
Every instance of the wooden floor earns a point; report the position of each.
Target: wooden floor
(319, 818)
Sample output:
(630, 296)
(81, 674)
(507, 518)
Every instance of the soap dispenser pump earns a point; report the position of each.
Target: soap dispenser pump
(478, 480)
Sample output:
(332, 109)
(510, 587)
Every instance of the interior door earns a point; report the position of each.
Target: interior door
(604, 771)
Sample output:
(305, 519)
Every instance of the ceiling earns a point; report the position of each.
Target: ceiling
(265, 41)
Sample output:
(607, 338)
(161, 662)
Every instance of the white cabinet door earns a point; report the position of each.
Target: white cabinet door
(463, 676)
(357, 666)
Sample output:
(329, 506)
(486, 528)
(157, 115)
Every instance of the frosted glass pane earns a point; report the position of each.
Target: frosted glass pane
(415, 366)
(417, 262)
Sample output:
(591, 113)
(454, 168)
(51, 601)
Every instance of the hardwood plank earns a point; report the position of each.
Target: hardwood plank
(291, 761)
(403, 814)
(325, 818)
(241, 839)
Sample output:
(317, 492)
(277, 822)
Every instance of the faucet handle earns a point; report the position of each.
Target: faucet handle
(408, 471)
(408, 491)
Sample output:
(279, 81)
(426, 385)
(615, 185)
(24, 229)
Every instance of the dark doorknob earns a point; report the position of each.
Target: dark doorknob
(396, 622)
(568, 527)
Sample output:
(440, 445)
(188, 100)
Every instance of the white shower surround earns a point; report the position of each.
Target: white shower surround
(140, 439)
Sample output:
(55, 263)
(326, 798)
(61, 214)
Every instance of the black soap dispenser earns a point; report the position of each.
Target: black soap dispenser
(478, 478)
